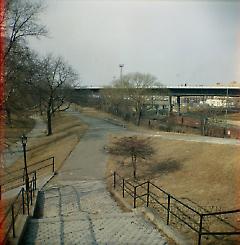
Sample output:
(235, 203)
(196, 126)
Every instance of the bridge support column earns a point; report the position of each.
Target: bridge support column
(179, 104)
(170, 104)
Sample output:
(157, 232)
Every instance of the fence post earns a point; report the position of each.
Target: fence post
(27, 201)
(13, 221)
(35, 180)
(134, 197)
(168, 209)
(200, 229)
(31, 195)
(148, 187)
(23, 204)
(123, 187)
(53, 163)
(114, 179)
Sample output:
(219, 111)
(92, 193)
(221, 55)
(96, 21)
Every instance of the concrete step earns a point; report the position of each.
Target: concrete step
(125, 228)
(83, 212)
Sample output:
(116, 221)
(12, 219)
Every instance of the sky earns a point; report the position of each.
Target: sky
(193, 42)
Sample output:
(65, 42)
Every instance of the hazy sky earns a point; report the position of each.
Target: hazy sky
(197, 42)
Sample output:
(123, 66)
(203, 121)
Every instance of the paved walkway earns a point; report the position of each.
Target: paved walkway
(194, 138)
(14, 152)
(76, 208)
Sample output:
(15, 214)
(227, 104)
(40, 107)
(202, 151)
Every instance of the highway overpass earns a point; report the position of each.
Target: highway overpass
(176, 91)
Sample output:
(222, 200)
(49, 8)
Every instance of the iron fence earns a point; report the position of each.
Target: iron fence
(20, 204)
(17, 178)
(200, 222)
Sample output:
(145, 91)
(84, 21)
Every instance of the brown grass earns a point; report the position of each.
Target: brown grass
(204, 176)
(19, 125)
(201, 172)
(67, 131)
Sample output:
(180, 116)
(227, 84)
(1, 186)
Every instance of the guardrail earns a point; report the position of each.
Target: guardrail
(156, 197)
(21, 202)
(18, 178)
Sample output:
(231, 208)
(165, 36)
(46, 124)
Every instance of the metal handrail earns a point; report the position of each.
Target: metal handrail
(21, 177)
(33, 164)
(200, 230)
(14, 213)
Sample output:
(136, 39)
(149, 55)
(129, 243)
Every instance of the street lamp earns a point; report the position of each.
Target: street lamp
(121, 68)
(24, 144)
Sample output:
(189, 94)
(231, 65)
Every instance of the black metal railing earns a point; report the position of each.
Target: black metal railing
(200, 222)
(17, 178)
(20, 204)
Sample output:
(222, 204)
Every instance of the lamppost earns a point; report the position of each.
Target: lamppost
(24, 144)
(121, 68)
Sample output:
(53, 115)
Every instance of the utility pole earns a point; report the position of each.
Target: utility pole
(121, 68)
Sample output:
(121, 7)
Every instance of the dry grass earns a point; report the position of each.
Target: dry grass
(201, 172)
(234, 116)
(19, 125)
(67, 131)
(204, 176)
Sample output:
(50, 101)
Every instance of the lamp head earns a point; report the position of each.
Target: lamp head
(24, 139)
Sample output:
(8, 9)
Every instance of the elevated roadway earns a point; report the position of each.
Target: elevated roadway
(177, 91)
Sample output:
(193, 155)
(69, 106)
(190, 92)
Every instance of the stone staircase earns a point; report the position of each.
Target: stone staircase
(83, 212)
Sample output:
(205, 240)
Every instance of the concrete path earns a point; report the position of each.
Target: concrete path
(14, 152)
(76, 208)
(194, 138)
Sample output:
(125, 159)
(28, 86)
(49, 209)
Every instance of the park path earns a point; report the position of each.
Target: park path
(76, 208)
(13, 152)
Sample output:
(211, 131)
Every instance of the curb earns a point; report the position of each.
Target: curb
(155, 218)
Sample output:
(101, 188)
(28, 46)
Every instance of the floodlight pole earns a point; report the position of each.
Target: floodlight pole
(121, 69)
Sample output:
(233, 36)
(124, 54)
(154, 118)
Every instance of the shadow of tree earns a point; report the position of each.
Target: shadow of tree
(164, 167)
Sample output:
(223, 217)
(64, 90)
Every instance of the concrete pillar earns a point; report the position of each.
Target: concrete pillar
(170, 104)
(179, 104)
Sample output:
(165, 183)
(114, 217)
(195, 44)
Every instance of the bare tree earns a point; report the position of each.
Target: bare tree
(20, 72)
(133, 147)
(22, 21)
(113, 99)
(56, 79)
(135, 86)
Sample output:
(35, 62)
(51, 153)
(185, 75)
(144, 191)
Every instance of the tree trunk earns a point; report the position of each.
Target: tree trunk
(53, 114)
(49, 122)
(40, 107)
(139, 117)
(9, 118)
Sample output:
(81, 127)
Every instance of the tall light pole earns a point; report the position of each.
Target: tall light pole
(121, 68)
(24, 144)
